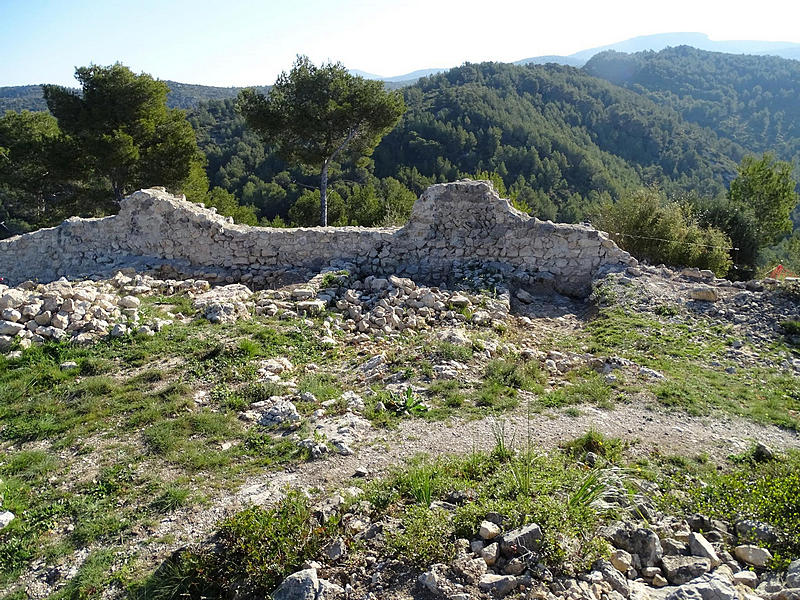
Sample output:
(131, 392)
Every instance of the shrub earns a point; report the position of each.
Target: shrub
(595, 441)
(768, 492)
(427, 537)
(262, 546)
(660, 230)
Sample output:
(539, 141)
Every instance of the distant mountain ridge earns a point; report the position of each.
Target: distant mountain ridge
(181, 95)
(186, 95)
(661, 41)
(655, 42)
(413, 76)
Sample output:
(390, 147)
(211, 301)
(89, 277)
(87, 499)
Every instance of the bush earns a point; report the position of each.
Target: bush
(660, 230)
(595, 441)
(262, 547)
(427, 537)
(768, 492)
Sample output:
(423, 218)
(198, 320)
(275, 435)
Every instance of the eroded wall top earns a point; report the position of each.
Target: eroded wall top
(450, 224)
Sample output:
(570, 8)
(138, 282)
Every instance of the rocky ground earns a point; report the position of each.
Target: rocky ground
(369, 322)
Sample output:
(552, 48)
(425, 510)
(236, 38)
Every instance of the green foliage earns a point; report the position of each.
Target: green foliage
(426, 537)
(659, 230)
(559, 140)
(404, 403)
(786, 253)
(40, 173)
(762, 194)
(747, 99)
(589, 387)
(259, 547)
(682, 354)
(791, 327)
(227, 205)
(306, 210)
(123, 129)
(517, 374)
(314, 114)
(591, 489)
(174, 496)
(596, 442)
(419, 481)
(91, 578)
(182, 575)
(451, 351)
(768, 492)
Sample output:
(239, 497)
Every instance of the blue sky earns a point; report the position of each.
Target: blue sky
(238, 42)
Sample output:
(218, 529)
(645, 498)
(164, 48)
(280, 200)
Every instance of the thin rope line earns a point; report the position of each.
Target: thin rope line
(644, 237)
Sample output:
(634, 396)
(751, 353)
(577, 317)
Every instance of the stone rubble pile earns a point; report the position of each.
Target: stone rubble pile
(670, 558)
(381, 306)
(85, 311)
(279, 413)
(82, 311)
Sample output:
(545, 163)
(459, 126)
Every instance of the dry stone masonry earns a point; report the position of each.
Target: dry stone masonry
(451, 225)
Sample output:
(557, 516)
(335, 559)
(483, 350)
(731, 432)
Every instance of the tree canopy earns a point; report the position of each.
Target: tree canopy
(40, 172)
(123, 128)
(315, 114)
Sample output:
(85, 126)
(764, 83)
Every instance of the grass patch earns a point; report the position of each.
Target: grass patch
(141, 387)
(791, 327)
(590, 388)
(173, 497)
(595, 441)
(450, 351)
(517, 374)
(257, 548)
(448, 393)
(323, 386)
(692, 361)
(768, 492)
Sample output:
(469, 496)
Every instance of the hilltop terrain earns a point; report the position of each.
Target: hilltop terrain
(172, 438)
(478, 404)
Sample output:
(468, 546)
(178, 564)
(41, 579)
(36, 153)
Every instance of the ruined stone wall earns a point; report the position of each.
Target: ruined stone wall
(451, 224)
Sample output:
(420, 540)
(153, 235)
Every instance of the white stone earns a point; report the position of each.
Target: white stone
(130, 302)
(5, 519)
(700, 546)
(621, 560)
(491, 553)
(753, 555)
(704, 293)
(11, 314)
(747, 578)
(489, 530)
(12, 298)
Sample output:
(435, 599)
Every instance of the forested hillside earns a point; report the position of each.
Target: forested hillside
(552, 133)
(752, 100)
(22, 97)
(181, 95)
(562, 143)
(558, 139)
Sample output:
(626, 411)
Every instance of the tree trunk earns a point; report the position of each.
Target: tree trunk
(323, 195)
(323, 187)
(117, 189)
